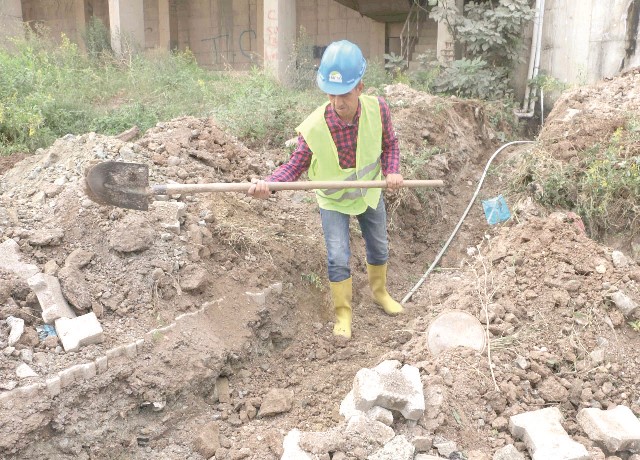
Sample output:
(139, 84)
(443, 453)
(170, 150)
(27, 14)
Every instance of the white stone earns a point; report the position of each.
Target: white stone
(544, 436)
(54, 305)
(618, 428)
(23, 371)
(399, 448)
(17, 328)
(292, 450)
(78, 332)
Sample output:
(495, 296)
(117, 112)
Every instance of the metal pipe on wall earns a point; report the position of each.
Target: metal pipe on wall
(532, 57)
(536, 68)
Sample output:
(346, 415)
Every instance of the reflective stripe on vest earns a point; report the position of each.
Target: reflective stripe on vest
(325, 164)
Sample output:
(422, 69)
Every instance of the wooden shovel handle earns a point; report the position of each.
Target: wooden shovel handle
(176, 189)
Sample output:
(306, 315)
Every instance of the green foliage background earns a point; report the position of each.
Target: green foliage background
(49, 90)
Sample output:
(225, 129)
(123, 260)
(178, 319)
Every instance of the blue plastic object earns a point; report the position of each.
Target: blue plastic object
(45, 331)
(341, 68)
(496, 210)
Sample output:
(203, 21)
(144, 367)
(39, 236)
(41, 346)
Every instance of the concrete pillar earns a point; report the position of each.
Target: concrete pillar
(445, 46)
(279, 35)
(164, 28)
(81, 23)
(458, 46)
(126, 21)
(10, 19)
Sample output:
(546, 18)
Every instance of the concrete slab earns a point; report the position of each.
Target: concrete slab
(544, 436)
(617, 429)
(80, 331)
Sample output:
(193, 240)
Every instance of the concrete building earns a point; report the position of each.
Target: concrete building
(580, 42)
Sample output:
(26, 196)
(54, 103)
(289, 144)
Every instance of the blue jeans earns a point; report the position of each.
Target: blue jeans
(335, 225)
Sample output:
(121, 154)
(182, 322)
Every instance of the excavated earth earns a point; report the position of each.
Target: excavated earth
(246, 281)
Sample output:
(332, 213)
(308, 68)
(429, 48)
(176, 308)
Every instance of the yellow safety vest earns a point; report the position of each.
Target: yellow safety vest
(325, 164)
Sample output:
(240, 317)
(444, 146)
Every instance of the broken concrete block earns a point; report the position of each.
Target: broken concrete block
(115, 352)
(23, 371)
(67, 377)
(508, 452)
(54, 386)
(53, 304)
(617, 429)
(322, 442)
(131, 350)
(292, 449)
(30, 391)
(169, 214)
(10, 261)
(389, 387)
(348, 410)
(78, 332)
(16, 326)
(371, 430)
(544, 436)
(399, 448)
(89, 370)
(101, 364)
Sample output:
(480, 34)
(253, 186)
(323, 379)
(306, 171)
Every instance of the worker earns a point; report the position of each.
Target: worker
(348, 138)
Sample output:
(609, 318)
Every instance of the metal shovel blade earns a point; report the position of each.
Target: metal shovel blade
(125, 185)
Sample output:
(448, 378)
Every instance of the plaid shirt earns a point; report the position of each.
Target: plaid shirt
(345, 136)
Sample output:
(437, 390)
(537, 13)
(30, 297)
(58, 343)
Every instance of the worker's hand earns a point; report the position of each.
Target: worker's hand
(394, 181)
(259, 189)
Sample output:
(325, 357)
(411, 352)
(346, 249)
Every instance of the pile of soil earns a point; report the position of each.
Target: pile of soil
(538, 283)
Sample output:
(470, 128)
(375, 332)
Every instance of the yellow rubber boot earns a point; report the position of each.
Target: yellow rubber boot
(378, 282)
(341, 293)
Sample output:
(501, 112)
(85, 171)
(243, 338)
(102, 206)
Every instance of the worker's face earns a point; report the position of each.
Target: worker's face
(346, 105)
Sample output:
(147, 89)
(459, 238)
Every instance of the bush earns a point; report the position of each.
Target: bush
(603, 188)
(490, 35)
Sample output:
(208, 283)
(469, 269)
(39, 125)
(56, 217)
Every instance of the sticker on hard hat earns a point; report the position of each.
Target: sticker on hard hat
(335, 77)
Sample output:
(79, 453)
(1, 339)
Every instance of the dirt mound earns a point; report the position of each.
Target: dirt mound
(224, 299)
(588, 116)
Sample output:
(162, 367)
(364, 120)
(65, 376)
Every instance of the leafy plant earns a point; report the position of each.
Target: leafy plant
(313, 279)
(489, 34)
(395, 64)
(635, 325)
(97, 39)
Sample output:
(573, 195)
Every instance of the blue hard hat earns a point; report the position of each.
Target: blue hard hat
(341, 68)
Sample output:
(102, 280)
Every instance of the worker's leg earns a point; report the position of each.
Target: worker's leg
(373, 223)
(335, 226)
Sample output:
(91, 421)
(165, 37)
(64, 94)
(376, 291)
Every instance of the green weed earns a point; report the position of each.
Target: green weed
(313, 279)
(603, 188)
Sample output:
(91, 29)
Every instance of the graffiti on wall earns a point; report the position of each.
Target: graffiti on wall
(223, 50)
(271, 38)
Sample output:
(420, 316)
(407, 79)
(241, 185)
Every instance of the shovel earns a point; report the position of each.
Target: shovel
(126, 185)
